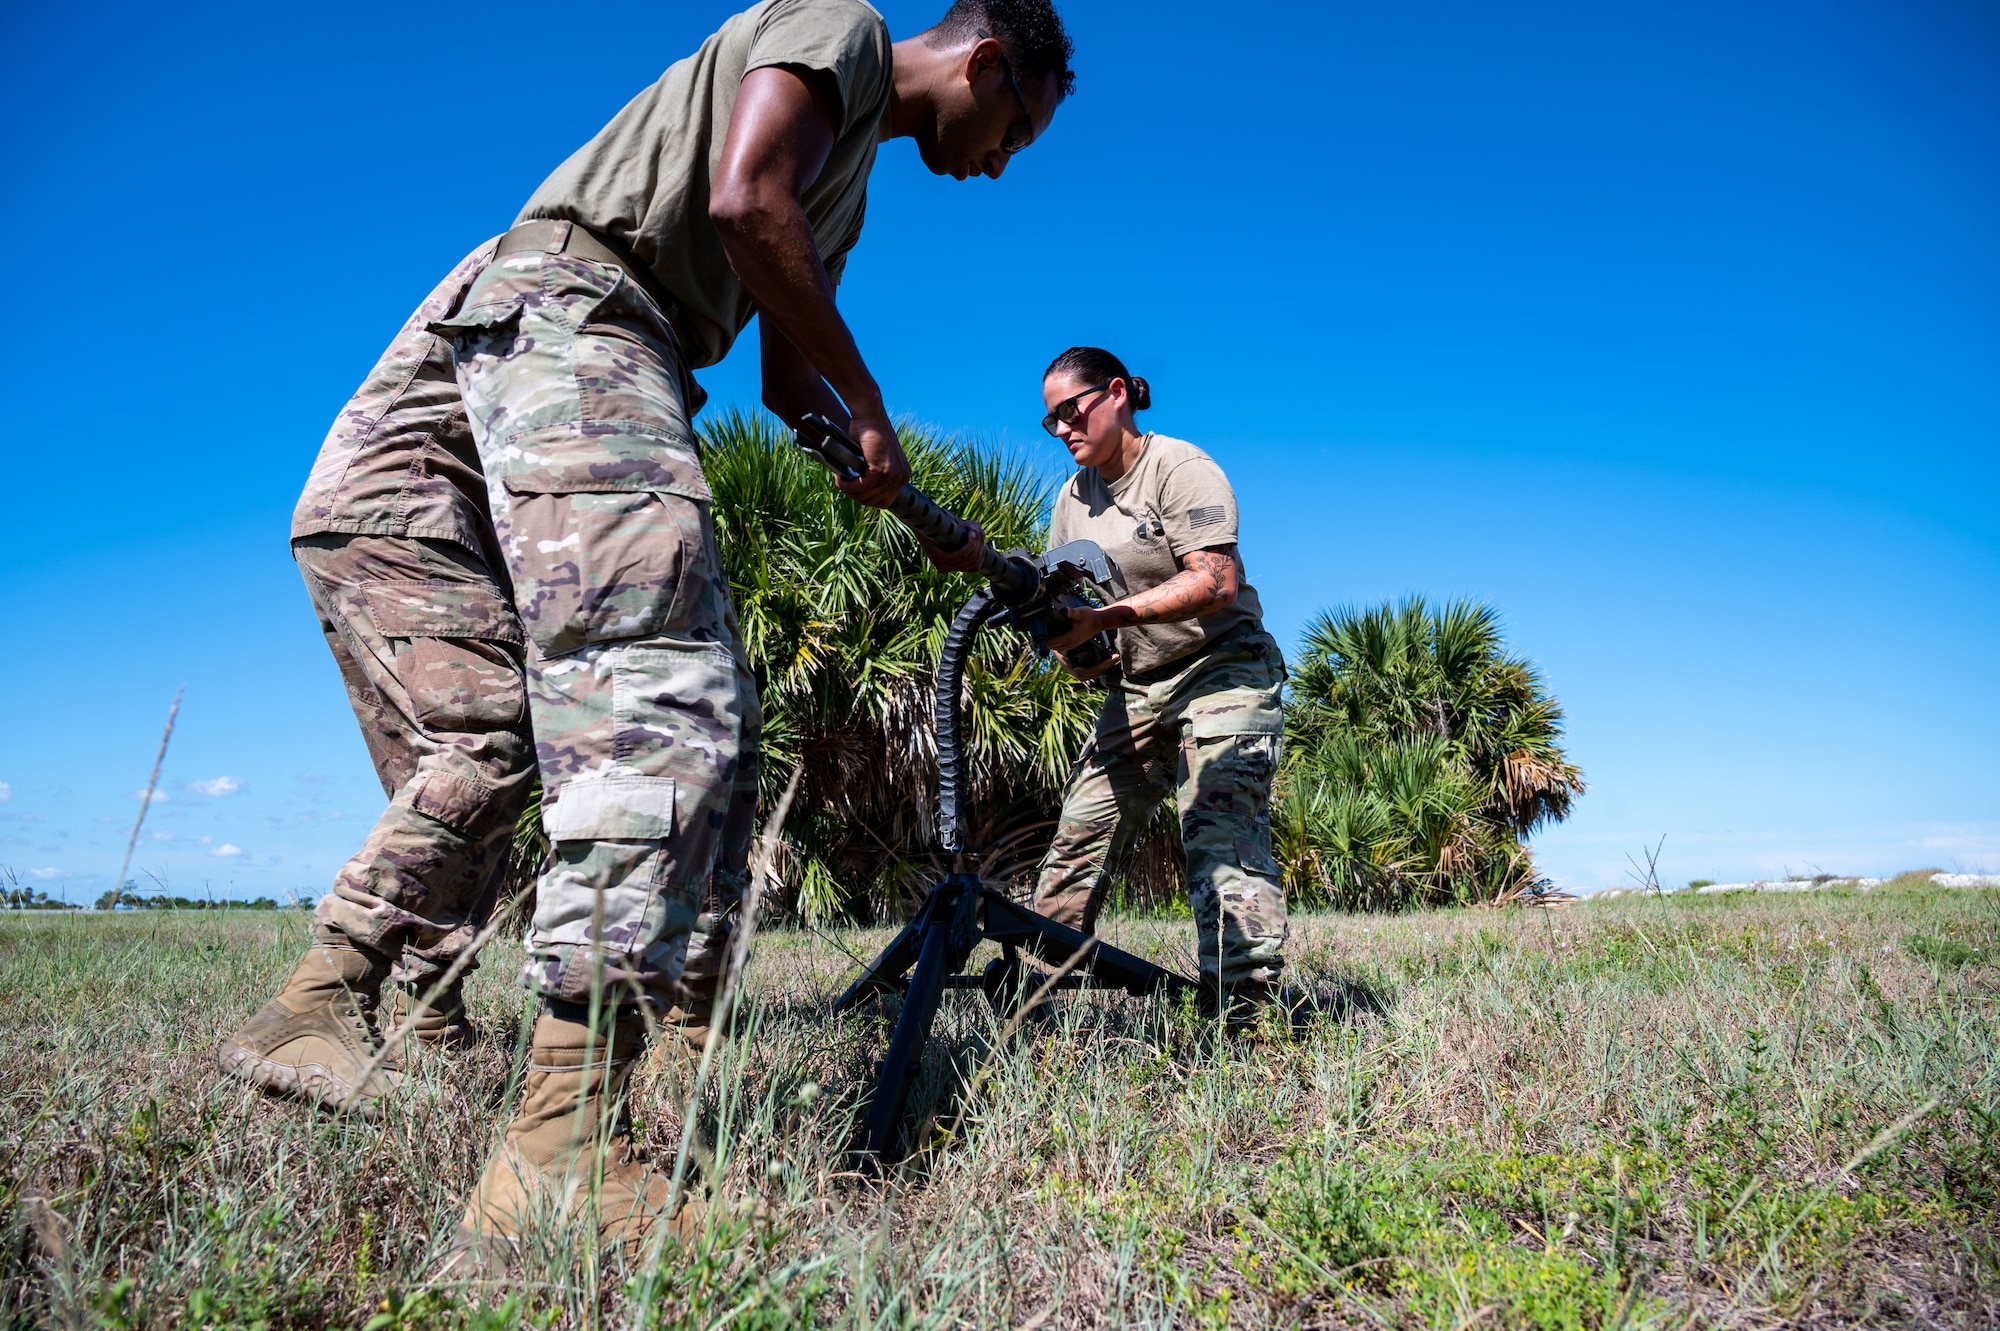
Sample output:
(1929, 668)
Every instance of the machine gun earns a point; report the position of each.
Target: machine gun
(1036, 592)
(1033, 593)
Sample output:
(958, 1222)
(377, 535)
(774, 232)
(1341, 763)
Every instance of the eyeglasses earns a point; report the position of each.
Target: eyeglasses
(1066, 412)
(1022, 132)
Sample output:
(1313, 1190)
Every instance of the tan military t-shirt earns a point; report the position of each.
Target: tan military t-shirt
(643, 181)
(1173, 500)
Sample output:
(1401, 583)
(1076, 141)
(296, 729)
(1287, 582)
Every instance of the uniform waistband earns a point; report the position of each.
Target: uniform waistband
(552, 235)
(1180, 665)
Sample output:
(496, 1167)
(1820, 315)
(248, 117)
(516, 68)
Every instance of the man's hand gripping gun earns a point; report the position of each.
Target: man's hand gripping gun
(1038, 590)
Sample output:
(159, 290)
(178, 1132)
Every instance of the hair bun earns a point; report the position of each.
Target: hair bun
(1094, 366)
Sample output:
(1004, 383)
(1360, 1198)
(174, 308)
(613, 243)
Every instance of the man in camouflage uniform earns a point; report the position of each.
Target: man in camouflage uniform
(734, 186)
(646, 710)
(409, 585)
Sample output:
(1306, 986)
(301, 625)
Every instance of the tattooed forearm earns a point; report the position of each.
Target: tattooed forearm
(1208, 582)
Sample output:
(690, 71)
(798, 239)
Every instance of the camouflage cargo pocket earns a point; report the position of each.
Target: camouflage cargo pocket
(604, 565)
(608, 834)
(574, 395)
(456, 653)
(561, 361)
(1251, 707)
(1226, 803)
(615, 805)
(453, 800)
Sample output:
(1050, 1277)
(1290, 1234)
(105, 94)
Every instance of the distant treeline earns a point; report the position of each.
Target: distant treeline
(27, 898)
(161, 901)
(13, 896)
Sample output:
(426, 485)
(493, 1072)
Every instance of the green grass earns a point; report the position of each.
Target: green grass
(1668, 1112)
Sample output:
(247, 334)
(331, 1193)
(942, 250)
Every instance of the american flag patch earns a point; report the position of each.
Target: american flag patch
(1205, 516)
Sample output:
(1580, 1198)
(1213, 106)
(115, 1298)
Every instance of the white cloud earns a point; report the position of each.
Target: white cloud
(159, 796)
(46, 873)
(221, 785)
(205, 840)
(159, 836)
(6, 792)
(226, 850)
(1975, 840)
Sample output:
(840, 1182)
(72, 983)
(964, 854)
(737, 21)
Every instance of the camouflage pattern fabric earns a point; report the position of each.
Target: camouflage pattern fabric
(714, 928)
(431, 654)
(644, 710)
(399, 460)
(1210, 734)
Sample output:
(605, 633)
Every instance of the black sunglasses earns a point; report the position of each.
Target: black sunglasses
(1066, 411)
(1022, 132)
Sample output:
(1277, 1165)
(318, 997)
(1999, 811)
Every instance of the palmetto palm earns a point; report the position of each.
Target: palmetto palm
(1420, 753)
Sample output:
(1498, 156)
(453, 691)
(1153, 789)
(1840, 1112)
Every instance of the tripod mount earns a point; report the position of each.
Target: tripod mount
(928, 956)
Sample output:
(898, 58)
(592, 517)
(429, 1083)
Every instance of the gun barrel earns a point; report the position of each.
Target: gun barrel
(1013, 579)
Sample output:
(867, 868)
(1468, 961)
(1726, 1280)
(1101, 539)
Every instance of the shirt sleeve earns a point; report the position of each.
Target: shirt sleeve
(1197, 507)
(844, 38)
(836, 263)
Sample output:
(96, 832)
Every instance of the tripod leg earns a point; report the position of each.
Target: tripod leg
(1014, 925)
(883, 972)
(906, 1044)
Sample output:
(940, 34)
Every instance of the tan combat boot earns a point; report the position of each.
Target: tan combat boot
(571, 1139)
(317, 1035)
(690, 1020)
(1238, 1006)
(442, 1024)
(1250, 1002)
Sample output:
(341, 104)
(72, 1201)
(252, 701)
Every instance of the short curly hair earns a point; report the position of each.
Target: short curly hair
(1030, 31)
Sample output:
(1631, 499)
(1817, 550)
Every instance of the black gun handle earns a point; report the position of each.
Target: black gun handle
(1088, 654)
(1093, 651)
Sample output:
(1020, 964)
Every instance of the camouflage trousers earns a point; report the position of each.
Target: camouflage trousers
(644, 709)
(1210, 735)
(431, 654)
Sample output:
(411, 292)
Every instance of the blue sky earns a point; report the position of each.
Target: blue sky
(1672, 330)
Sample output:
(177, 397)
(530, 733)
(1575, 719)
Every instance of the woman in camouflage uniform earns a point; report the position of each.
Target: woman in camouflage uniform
(1195, 708)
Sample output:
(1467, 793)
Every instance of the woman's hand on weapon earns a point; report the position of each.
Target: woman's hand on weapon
(1089, 673)
(1085, 622)
(888, 469)
(966, 558)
